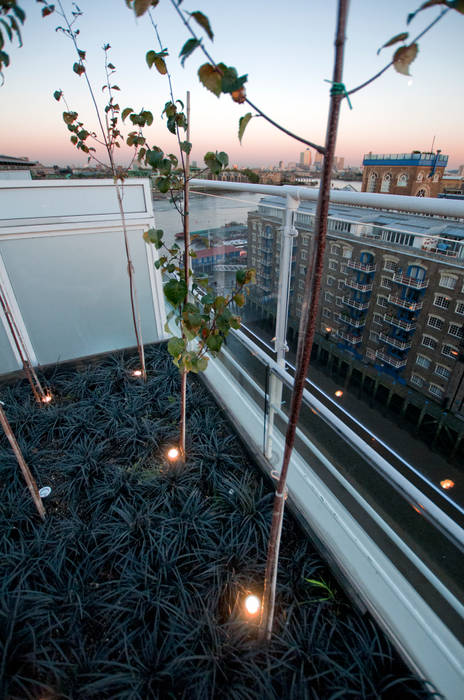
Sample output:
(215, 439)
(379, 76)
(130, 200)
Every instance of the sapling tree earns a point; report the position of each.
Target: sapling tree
(109, 139)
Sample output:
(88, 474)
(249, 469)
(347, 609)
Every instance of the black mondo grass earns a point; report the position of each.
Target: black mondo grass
(134, 585)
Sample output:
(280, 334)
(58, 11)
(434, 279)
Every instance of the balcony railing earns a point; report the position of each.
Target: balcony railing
(405, 303)
(400, 344)
(361, 306)
(409, 281)
(389, 359)
(365, 267)
(355, 322)
(350, 282)
(350, 338)
(399, 322)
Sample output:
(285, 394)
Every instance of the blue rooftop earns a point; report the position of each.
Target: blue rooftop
(414, 158)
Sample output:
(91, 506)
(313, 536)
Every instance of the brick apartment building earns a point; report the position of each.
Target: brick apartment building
(392, 296)
(416, 174)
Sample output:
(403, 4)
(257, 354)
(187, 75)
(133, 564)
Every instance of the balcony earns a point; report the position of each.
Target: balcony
(355, 322)
(350, 338)
(399, 322)
(400, 344)
(71, 311)
(364, 267)
(408, 281)
(390, 360)
(405, 303)
(350, 282)
(360, 305)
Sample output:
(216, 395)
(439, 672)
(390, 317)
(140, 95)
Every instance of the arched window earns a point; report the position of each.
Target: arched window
(402, 180)
(372, 182)
(416, 272)
(420, 177)
(386, 183)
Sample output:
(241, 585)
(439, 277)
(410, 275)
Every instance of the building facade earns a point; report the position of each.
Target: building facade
(392, 295)
(416, 174)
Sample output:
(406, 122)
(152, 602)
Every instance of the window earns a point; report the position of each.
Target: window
(372, 182)
(343, 269)
(299, 298)
(301, 284)
(374, 336)
(332, 264)
(330, 281)
(423, 361)
(460, 307)
(304, 255)
(339, 301)
(402, 180)
(302, 270)
(441, 301)
(377, 319)
(382, 301)
(335, 249)
(329, 297)
(457, 331)
(435, 322)
(370, 354)
(341, 284)
(347, 253)
(304, 240)
(443, 371)
(429, 342)
(447, 281)
(386, 282)
(389, 265)
(386, 183)
(450, 351)
(436, 390)
(420, 177)
(417, 380)
(326, 313)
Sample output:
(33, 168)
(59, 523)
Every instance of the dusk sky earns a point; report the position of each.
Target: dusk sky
(287, 51)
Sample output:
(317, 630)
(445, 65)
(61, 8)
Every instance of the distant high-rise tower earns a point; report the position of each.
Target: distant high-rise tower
(305, 159)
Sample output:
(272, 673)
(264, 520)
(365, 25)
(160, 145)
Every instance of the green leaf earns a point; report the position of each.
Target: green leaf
(150, 58)
(163, 184)
(240, 276)
(203, 21)
(74, 139)
(239, 299)
(394, 40)
(202, 364)
(154, 157)
(81, 54)
(125, 112)
(186, 146)
(235, 322)
(188, 48)
(141, 6)
(403, 58)
(242, 125)
(57, 95)
(155, 236)
(175, 291)
(176, 346)
(207, 300)
(223, 158)
(230, 81)
(210, 78)
(424, 6)
(214, 342)
(78, 68)
(148, 117)
(111, 66)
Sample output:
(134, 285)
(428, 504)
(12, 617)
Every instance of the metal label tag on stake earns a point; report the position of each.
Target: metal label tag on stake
(45, 491)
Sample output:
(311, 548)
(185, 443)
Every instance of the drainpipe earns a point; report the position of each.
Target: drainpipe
(283, 296)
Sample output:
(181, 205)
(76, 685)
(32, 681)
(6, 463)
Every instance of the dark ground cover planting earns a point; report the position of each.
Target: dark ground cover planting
(133, 586)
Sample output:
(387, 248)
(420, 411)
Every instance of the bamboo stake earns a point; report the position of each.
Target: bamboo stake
(306, 331)
(30, 481)
(186, 229)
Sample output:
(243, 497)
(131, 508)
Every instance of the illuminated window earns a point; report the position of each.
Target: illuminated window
(441, 301)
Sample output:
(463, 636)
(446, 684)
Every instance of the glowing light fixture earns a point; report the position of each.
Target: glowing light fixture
(47, 398)
(447, 484)
(328, 330)
(137, 373)
(173, 454)
(252, 604)
(339, 393)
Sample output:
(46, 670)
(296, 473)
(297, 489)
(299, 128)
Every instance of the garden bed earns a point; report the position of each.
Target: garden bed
(133, 587)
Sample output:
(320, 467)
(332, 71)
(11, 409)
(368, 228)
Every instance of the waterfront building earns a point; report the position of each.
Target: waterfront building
(392, 294)
(417, 174)
(305, 159)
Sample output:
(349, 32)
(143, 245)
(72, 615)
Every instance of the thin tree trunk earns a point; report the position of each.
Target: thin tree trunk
(306, 333)
(186, 229)
(30, 481)
(36, 386)
(133, 294)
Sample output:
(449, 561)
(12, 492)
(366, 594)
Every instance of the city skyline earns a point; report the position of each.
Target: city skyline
(393, 114)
